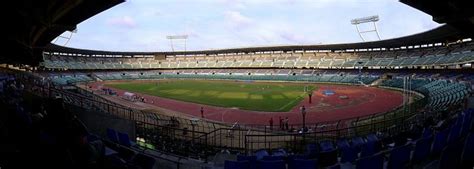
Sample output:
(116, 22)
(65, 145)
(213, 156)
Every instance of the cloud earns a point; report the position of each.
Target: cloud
(293, 38)
(233, 4)
(237, 20)
(124, 22)
(210, 24)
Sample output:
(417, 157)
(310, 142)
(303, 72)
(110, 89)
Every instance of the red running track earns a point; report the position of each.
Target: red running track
(361, 101)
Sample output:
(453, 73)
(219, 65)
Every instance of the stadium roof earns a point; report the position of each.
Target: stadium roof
(33, 24)
(457, 13)
(441, 34)
(30, 25)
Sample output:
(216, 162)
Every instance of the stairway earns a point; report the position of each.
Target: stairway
(381, 79)
(94, 77)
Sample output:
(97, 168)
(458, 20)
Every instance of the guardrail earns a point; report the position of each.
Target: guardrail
(221, 135)
(209, 135)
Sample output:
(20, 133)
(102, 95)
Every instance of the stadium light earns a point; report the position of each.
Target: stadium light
(374, 18)
(363, 20)
(177, 37)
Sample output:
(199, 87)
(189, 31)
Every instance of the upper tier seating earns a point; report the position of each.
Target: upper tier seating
(437, 56)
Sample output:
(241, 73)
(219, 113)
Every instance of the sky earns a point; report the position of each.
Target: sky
(142, 25)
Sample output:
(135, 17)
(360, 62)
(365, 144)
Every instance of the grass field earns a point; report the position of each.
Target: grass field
(243, 95)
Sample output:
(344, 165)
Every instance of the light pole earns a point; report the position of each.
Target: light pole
(303, 112)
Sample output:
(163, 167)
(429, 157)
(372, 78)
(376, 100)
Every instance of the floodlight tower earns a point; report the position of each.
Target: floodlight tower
(363, 20)
(177, 37)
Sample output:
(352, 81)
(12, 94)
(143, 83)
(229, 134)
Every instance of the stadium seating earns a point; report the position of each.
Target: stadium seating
(438, 142)
(112, 135)
(415, 153)
(399, 157)
(440, 92)
(467, 158)
(125, 140)
(372, 162)
(395, 59)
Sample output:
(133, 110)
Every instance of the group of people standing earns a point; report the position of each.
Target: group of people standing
(283, 125)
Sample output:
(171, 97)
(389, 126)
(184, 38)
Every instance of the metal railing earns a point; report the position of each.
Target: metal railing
(208, 136)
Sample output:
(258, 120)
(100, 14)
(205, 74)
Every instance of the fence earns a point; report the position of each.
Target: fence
(157, 129)
(201, 138)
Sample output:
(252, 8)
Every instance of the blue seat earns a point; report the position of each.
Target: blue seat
(372, 138)
(303, 164)
(369, 148)
(454, 133)
(327, 158)
(348, 154)
(357, 143)
(312, 151)
(450, 157)
(375, 141)
(292, 158)
(125, 140)
(272, 158)
(279, 152)
(422, 149)
(271, 165)
(236, 164)
(399, 157)
(466, 126)
(297, 156)
(261, 153)
(112, 135)
(251, 159)
(342, 143)
(326, 145)
(427, 132)
(468, 154)
(440, 141)
(371, 162)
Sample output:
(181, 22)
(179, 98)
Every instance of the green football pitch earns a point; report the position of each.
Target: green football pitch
(259, 96)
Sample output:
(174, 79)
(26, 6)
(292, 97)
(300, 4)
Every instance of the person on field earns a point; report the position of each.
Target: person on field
(286, 123)
(302, 109)
(202, 112)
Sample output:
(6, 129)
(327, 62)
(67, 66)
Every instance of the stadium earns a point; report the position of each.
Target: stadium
(403, 102)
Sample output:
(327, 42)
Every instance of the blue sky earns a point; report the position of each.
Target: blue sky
(142, 25)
